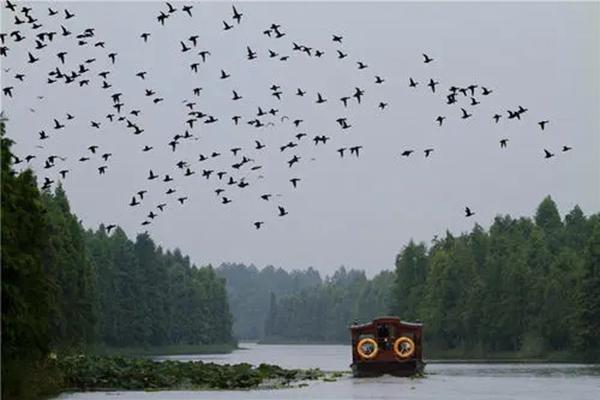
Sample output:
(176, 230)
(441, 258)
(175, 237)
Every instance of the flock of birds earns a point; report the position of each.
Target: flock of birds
(245, 168)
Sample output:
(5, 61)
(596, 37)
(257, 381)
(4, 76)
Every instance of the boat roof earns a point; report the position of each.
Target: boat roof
(391, 319)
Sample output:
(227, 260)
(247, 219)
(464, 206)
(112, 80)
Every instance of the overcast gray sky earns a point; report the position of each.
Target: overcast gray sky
(356, 212)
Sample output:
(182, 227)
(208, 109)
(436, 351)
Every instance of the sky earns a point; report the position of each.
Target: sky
(356, 212)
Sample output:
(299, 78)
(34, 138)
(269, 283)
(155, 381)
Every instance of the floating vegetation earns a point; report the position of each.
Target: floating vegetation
(104, 373)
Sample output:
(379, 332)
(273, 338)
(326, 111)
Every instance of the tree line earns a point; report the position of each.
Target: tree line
(68, 289)
(525, 285)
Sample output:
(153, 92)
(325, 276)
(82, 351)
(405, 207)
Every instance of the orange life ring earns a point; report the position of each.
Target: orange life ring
(361, 351)
(404, 347)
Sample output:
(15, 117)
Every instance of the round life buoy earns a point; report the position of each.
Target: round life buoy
(404, 347)
(367, 348)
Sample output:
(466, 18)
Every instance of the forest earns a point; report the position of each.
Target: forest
(529, 285)
(526, 286)
(66, 289)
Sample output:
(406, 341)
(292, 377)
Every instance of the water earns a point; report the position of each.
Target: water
(447, 381)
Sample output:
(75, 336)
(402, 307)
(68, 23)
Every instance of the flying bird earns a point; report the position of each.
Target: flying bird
(236, 15)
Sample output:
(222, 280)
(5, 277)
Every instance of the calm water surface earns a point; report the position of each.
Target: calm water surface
(443, 381)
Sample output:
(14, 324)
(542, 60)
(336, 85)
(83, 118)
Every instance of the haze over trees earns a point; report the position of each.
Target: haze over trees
(250, 290)
(323, 313)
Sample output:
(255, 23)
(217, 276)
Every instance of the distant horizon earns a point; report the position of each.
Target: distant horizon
(330, 271)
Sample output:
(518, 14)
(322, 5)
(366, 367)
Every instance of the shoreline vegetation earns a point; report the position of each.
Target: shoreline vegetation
(167, 350)
(106, 373)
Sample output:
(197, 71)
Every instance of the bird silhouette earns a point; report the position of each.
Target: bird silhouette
(465, 114)
(427, 59)
(566, 148)
(358, 93)
(468, 212)
(295, 182)
(282, 211)
(32, 59)
(294, 160)
(432, 84)
(251, 55)
(355, 150)
(543, 124)
(428, 152)
(503, 143)
(236, 15)
(58, 125)
(258, 224)
(547, 154)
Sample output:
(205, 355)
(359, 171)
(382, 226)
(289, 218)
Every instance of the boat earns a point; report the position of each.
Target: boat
(387, 345)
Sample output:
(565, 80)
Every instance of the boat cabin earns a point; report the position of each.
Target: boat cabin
(387, 345)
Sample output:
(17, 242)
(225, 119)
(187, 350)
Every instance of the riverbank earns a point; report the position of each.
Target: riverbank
(172, 350)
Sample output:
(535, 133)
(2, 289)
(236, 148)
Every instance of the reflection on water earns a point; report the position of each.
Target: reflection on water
(445, 381)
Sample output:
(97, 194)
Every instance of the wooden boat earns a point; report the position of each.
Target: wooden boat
(387, 345)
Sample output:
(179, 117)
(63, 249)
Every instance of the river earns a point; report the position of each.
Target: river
(444, 381)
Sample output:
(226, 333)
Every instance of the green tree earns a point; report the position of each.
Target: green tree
(25, 301)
